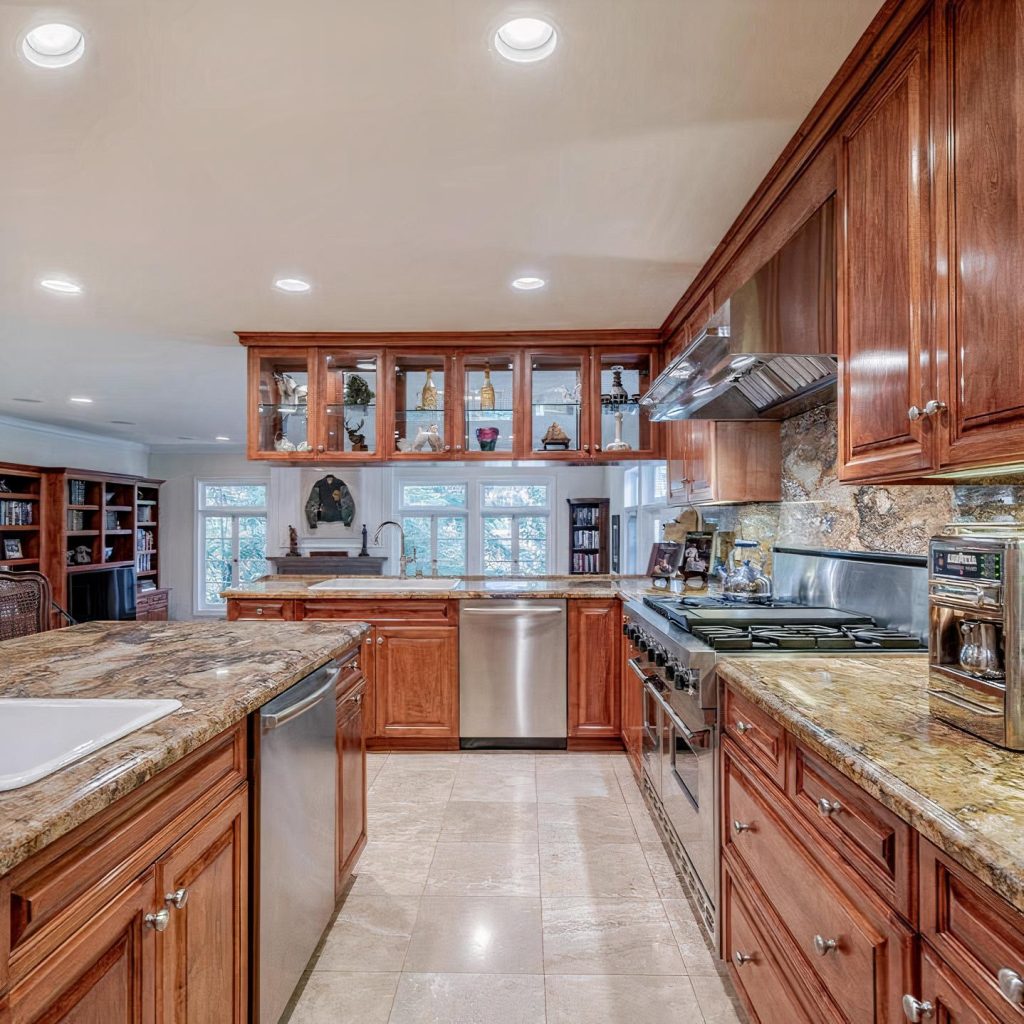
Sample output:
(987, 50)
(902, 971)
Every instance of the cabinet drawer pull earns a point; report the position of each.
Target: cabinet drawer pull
(1011, 986)
(915, 1011)
(742, 826)
(739, 959)
(177, 899)
(743, 728)
(823, 946)
(828, 807)
(158, 921)
(259, 611)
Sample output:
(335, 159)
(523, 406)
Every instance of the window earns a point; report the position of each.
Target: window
(433, 517)
(232, 528)
(515, 534)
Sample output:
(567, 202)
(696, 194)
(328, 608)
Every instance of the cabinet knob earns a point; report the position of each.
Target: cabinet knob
(739, 959)
(741, 826)
(597, 447)
(743, 728)
(447, 447)
(158, 921)
(828, 807)
(916, 1011)
(586, 447)
(1011, 986)
(934, 407)
(823, 946)
(369, 639)
(320, 448)
(913, 413)
(380, 639)
(177, 899)
(259, 611)
(458, 447)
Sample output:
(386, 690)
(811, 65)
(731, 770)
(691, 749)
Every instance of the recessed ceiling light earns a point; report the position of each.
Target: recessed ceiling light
(526, 40)
(61, 285)
(528, 284)
(53, 46)
(292, 284)
(221, 437)
(80, 400)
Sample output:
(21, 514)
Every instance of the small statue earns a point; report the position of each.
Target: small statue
(555, 437)
(293, 542)
(356, 439)
(618, 445)
(618, 393)
(429, 437)
(290, 391)
(364, 551)
(83, 554)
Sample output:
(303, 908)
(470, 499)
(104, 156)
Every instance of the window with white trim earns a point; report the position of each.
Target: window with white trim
(515, 531)
(434, 518)
(231, 526)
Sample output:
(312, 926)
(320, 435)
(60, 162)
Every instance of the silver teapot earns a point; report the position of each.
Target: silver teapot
(979, 650)
(747, 579)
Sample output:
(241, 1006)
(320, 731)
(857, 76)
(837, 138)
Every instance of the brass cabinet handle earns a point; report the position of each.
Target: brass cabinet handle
(743, 727)
(739, 959)
(1011, 986)
(742, 826)
(916, 1011)
(828, 807)
(177, 899)
(823, 946)
(158, 921)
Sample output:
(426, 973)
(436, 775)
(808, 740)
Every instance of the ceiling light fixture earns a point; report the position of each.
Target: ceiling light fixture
(61, 285)
(80, 400)
(53, 46)
(528, 284)
(292, 284)
(526, 40)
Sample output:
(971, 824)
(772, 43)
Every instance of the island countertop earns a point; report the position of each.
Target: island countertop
(221, 672)
(869, 718)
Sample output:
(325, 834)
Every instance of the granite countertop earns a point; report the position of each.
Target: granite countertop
(471, 588)
(869, 718)
(221, 672)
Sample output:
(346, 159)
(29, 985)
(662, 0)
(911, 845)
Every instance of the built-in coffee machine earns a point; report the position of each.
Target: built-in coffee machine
(974, 650)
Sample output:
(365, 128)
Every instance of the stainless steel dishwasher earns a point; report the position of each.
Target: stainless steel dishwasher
(298, 771)
(512, 673)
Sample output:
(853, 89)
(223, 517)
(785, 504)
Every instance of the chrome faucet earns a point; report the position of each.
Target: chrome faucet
(403, 561)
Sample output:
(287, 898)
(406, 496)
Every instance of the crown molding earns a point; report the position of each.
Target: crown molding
(53, 430)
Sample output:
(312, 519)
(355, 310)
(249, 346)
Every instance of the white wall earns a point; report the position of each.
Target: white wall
(39, 444)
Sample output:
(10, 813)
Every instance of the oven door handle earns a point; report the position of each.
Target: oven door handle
(698, 738)
(639, 673)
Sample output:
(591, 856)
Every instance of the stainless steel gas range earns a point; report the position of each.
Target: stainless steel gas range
(831, 603)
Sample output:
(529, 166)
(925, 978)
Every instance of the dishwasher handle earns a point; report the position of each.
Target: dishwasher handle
(512, 611)
(275, 719)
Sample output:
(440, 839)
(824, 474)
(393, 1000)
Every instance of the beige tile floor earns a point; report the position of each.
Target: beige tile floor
(508, 888)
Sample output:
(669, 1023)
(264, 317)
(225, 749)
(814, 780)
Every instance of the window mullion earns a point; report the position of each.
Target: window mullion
(515, 543)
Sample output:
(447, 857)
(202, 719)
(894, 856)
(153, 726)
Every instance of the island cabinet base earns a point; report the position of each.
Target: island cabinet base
(140, 915)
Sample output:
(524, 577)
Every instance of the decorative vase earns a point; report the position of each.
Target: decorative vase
(618, 445)
(487, 438)
(428, 396)
(487, 394)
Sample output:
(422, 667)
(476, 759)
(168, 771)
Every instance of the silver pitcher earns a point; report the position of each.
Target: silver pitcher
(979, 649)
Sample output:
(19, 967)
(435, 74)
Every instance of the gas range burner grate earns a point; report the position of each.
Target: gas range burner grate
(806, 638)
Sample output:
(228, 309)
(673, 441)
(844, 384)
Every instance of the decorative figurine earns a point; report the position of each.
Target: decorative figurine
(618, 393)
(487, 437)
(289, 390)
(618, 445)
(356, 439)
(487, 396)
(425, 438)
(293, 542)
(555, 437)
(282, 444)
(357, 391)
(428, 396)
(364, 551)
(330, 501)
(83, 554)
(4, 489)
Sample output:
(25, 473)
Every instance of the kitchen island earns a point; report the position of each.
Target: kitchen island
(98, 859)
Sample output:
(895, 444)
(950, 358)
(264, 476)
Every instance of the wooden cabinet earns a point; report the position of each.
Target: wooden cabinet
(594, 688)
(351, 741)
(257, 608)
(151, 605)
(945, 999)
(710, 462)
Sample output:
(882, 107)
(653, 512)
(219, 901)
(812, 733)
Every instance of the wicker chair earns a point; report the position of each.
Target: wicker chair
(25, 600)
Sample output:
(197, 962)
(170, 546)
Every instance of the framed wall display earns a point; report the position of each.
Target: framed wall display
(666, 556)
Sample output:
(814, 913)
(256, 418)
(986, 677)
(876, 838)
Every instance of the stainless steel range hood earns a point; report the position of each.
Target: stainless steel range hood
(769, 351)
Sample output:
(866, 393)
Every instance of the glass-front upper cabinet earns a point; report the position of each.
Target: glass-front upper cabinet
(282, 409)
(420, 406)
(621, 428)
(558, 384)
(349, 394)
(489, 413)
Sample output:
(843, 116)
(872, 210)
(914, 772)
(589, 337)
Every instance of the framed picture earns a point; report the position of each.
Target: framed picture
(12, 548)
(697, 558)
(665, 558)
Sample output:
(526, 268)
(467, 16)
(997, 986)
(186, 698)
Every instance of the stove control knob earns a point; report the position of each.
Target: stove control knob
(626, 627)
(652, 651)
(642, 641)
(689, 680)
(670, 671)
(660, 657)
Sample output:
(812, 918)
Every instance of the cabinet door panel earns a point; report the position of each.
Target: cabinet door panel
(883, 211)
(417, 692)
(593, 669)
(204, 952)
(952, 1002)
(104, 974)
(351, 781)
(983, 55)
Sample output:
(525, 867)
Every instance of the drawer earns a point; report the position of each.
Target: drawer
(952, 1002)
(875, 842)
(975, 931)
(53, 894)
(755, 965)
(279, 610)
(859, 953)
(413, 613)
(757, 734)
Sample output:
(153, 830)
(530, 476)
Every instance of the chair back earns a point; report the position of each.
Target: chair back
(25, 599)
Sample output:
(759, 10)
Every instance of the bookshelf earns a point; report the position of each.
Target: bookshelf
(588, 536)
(21, 517)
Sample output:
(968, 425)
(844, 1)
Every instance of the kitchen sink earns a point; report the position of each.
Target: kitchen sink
(41, 736)
(383, 584)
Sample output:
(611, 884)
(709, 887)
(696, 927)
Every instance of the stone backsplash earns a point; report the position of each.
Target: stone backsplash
(817, 511)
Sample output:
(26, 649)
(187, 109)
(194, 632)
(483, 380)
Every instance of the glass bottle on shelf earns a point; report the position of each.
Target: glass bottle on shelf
(556, 386)
(282, 404)
(419, 405)
(350, 402)
(487, 402)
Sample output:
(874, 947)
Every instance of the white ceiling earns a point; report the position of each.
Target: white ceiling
(383, 151)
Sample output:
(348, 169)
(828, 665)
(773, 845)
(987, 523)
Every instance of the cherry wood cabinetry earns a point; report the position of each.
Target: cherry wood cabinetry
(632, 703)
(711, 462)
(351, 741)
(151, 605)
(594, 686)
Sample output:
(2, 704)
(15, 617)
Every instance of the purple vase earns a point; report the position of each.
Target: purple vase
(487, 438)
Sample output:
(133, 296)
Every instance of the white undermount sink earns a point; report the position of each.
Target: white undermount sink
(41, 736)
(383, 584)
